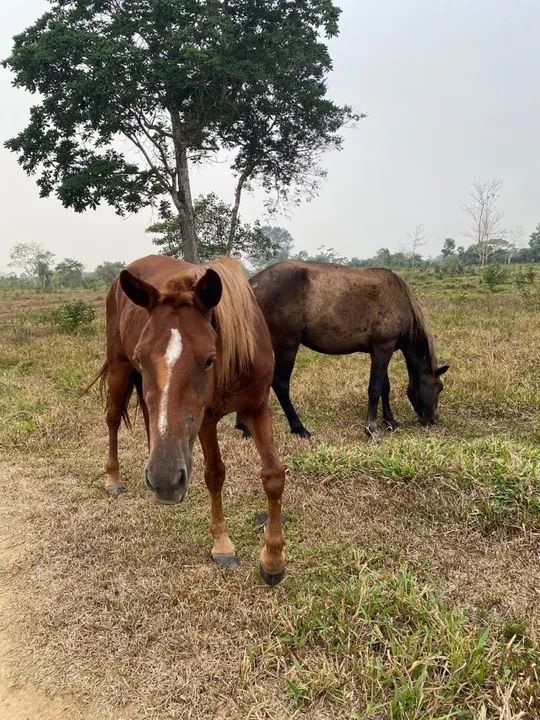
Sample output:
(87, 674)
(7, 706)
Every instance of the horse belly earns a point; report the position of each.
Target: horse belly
(326, 337)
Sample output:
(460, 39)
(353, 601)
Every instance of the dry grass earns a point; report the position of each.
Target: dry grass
(413, 579)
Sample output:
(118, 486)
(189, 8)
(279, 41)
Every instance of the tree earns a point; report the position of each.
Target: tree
(534, 244)
(177, 81)
(108, 271)
(448, 248)
(416, 240)
(282, 237)
(281, 241)
(213, 218)
(513, 243)
(485, 230)
(69, 272)
(323, 255)
(34, 260)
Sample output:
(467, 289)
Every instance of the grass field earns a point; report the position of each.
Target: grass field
(413, 581)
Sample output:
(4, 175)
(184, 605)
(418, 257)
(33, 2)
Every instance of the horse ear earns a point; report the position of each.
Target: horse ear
(440, 371)
(208, 290)
(139, 291)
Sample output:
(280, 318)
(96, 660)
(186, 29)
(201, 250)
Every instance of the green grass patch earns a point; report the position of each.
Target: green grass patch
(501, 477)
(376, 643)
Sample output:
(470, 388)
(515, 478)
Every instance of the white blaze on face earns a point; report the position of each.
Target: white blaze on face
(172, 353)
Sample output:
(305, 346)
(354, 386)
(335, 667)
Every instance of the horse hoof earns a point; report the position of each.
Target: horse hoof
(302, 432)
(372, 434)
(230, 561)
(115, 490)
(391, 426)
(270, 578)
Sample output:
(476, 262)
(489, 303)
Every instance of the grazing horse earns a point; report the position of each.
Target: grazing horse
(193, 343)
(340, 310)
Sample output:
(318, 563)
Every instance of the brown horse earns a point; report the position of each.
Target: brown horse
(339, 310)
(192, 342)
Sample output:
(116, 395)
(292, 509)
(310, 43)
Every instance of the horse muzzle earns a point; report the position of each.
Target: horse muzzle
(167, 490)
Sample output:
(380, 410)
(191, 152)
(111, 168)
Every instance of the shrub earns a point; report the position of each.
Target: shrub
(495, 275)
(523, 281)
(74, 316)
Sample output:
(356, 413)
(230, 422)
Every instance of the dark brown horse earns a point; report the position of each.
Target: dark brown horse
(338, 310)
(192, 342)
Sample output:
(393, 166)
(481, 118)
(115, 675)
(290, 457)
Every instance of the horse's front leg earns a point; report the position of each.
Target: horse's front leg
(272, 567)
(118, 392)
(223, 552)
(380, 358)
(388, 416)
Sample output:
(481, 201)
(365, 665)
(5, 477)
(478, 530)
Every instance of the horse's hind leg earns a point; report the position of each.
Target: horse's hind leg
(380, 357)
(223, 552)
(285, 358)
(388, 415)
(272, 567)
(240, 425)
(119, 388)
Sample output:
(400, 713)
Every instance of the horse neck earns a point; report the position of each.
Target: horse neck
(417, 358)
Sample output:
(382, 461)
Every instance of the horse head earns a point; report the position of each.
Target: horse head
(175, 355)
(423, 392)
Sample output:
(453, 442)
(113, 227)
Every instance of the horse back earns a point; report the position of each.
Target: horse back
(331, 308)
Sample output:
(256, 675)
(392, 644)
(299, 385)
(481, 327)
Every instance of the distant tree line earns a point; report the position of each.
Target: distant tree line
(257, 246)
(37, 267)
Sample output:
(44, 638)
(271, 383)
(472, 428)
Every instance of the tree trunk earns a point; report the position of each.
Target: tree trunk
(234, 215)
(181, 195)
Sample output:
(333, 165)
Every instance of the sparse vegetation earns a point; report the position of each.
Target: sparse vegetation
(494, 276)
(413, 565)
(72, 316)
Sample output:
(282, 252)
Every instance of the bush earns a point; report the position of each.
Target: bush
(74, 316)
(523, 281)
(494, 275)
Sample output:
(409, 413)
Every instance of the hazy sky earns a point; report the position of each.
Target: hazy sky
(452, 92)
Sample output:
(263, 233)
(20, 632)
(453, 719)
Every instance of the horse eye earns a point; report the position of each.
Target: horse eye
(208, 364)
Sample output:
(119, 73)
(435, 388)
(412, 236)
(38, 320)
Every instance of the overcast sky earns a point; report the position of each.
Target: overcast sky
(452, 92)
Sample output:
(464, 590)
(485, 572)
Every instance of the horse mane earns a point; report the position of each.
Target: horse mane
(419, 332)
(234, 319)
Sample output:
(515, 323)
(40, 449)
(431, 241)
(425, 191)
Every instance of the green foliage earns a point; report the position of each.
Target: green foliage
(176, 80)
(282, 241)
(449, 247)
(73, 316)
(324, 254)
(534, 245)
(212, 218)
(524, 281)
(107, 271)
(69, 273)
(494, 276)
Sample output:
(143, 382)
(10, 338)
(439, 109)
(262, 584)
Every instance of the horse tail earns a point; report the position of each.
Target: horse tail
(102, 377)
(419, 330)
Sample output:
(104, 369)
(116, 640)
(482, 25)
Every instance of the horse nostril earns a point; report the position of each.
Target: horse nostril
(180, 480)
(147, 479)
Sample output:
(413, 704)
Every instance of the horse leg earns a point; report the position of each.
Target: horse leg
(285, 358)
(119, 386)
(388, 415)
(223, 552)
(272, 565)
(240, 425)
(144, 406)
(380, 357)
